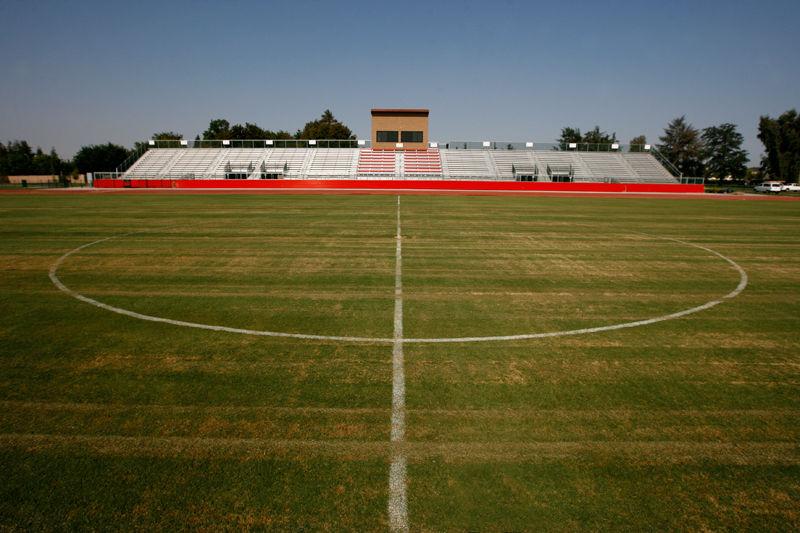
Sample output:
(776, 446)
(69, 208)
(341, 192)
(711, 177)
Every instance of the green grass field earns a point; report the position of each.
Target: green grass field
(111, 422)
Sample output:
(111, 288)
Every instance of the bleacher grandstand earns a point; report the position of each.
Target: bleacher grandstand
(647, 168)
(376, 162)
(311, 162)
(422, 163)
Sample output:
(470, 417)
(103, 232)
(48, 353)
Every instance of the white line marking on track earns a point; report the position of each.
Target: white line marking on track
(743, 280)
(398, 503)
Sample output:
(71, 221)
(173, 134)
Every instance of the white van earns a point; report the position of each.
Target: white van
(768, 186)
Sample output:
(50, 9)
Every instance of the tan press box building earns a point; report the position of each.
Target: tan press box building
(405, 129)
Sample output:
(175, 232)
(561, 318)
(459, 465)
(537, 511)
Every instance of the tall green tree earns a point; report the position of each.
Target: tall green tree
(18, 158)
(250, 131)
(722, 152)
(637, 143)
(165, 137)
(569, 135)
(572, 135)
(326, 127)
(218, 129)
(682, 146)
(100, 157)
(596, 136)
(781, 139)
(47, 163)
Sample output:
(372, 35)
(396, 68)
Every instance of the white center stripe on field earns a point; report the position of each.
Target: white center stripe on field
(398, 505)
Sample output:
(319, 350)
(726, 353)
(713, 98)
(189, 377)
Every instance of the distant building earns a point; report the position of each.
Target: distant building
(400, 129)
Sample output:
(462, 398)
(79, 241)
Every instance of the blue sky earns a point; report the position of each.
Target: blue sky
(76, 73)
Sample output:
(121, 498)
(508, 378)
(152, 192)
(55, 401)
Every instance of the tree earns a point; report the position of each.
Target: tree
(781, 139)
(637, 143)
(167, 136)
(569, 135)
(722, 152)
(17, 158)
(682, 146)
(248, 131)
(164, 137)
(326, 127)
(252, 131)
(43, 164)
(100, 157)
(218, 129)
(595, 136)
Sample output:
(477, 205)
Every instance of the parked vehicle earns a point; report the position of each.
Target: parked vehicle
(792, 187)
(768, 186)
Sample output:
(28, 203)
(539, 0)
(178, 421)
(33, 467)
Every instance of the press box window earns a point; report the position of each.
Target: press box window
(411, 137)
(386, 136)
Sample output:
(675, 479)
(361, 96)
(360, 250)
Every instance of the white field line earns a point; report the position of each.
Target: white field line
(708, 305)
(743, 280)
(119, 310)
(398, 503)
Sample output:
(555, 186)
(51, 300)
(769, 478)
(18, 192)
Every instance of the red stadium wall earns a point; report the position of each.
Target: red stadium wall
(399, 185)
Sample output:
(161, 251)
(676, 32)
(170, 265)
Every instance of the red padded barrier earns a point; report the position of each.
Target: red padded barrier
(399, 185)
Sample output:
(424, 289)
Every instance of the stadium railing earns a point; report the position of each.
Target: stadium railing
(366, 143)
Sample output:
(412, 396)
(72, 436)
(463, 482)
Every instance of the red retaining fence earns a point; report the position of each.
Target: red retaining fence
(399, 185)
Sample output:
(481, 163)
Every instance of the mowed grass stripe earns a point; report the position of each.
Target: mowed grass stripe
(548, 284)
(302, 268)
(308, 423)
(643, 452)
(569, 389)
(213, 422)
(687, 424)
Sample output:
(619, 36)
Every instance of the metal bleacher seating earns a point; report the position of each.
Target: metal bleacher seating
(153, 162)
(647, 168)
(193, 163)
(240, 160)
(377, 162)
(292, 160)
(555, 160)
(422, 163)
(333, 162)
(608, 166)
(467, 164)
(508, 161)
(434, 163)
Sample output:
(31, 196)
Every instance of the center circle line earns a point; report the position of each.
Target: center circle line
(53, 274)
